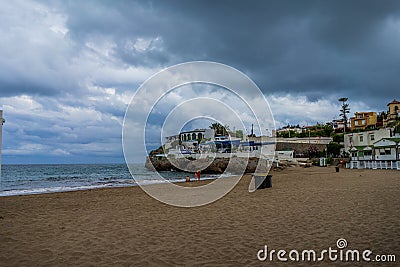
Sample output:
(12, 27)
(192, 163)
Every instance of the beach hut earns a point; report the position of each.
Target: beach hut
(367, 153)
(354, 153)
(387, 149)
(361, 153)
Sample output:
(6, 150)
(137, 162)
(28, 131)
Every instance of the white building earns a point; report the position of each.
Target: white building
(364, 140)
(191, 139)
(378, 149)
(188, 141)
(338, 125)
(168, 141)
(290, 129)
(195, 135)
(387, 149)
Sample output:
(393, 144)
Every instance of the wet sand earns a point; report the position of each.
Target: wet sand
(307, 208)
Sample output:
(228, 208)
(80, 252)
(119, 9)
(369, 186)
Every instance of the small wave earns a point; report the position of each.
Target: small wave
(102, 183)
(35, 191)
(61, 178)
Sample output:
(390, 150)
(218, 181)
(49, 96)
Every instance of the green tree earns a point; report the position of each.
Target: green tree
(344, 110)
(333, 149)
(219, 129)
(239, 134)
(381, 116)
(337, 138)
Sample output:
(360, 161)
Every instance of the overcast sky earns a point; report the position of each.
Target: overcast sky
(68, 69)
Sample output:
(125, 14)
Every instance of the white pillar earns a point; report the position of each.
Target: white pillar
(1, 133)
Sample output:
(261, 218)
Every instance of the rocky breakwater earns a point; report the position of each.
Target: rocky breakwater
(211, 166)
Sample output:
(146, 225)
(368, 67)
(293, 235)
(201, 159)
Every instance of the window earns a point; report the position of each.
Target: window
(372, 137)
(385, 151)
(361, 138)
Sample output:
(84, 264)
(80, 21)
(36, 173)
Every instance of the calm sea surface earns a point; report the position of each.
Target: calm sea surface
(38, 179)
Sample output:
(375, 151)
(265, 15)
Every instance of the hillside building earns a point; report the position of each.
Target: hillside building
(393, 112)
(363, 120)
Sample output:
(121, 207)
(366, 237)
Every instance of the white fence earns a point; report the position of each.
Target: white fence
(374, 164)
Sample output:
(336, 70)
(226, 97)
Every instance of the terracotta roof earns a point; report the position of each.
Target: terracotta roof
(394, 102)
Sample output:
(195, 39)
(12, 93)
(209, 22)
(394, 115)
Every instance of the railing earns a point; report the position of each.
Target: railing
(374, 164)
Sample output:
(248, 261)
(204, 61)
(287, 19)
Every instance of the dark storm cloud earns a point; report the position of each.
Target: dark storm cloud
(306, 47)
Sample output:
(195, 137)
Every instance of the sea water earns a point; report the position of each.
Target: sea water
(38, 179)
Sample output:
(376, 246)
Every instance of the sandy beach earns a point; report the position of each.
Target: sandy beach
(307, 208)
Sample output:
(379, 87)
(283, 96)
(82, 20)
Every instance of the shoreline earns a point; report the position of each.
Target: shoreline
(53, 190)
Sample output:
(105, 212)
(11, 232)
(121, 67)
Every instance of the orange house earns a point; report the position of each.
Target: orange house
(362, 120)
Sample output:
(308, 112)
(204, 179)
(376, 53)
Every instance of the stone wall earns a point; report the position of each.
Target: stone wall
(217, 166)
(300, 148)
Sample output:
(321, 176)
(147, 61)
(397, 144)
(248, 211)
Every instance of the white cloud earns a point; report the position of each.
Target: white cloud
(92, 125)
(39, 54)
(142, 45)
(48, 126)
(299, 109)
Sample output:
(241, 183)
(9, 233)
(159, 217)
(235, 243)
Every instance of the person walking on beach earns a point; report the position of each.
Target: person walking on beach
(197, 175)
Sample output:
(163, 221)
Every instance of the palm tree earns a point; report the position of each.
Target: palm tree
(345, 109)
(219, 129)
